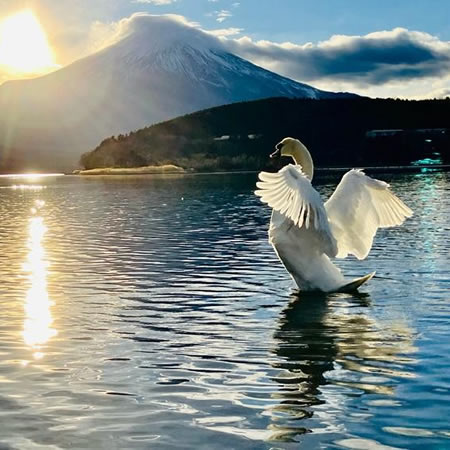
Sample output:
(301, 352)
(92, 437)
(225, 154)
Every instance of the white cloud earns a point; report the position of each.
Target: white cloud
(104, 34)
(225, 32)
(223, 15)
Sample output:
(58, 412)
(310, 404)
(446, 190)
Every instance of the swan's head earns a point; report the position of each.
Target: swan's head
(298, 152)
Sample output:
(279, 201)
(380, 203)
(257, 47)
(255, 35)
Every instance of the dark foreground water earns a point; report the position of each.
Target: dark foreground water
(152, 313)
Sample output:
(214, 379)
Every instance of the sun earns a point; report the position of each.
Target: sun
(24, 49)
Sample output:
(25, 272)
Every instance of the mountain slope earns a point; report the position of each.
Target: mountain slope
(159, 68)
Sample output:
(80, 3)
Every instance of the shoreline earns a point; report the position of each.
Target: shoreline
(163, 170)
(176, 170)
(145, 170)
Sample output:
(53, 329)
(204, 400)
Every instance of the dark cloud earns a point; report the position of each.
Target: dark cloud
(376, 58)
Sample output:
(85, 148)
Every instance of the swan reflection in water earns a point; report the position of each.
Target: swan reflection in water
(37, 328)
(329, 351)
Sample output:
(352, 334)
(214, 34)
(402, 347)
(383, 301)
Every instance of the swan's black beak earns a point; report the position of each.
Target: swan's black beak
(277, 152)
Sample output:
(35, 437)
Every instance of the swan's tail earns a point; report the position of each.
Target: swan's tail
(356, 283)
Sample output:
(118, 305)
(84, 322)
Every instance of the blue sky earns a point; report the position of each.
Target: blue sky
(396, 48)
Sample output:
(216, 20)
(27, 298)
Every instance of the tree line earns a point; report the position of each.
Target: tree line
(240, 136)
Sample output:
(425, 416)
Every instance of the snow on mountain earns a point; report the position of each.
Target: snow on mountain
(159, 68)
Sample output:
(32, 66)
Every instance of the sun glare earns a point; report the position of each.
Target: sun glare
(23, 45)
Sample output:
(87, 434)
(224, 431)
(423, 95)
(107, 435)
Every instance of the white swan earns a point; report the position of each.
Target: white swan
(306, 233)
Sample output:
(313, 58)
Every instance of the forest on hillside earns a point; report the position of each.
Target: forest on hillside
(240, 136)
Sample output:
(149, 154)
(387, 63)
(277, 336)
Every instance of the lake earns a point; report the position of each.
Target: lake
(151, 312)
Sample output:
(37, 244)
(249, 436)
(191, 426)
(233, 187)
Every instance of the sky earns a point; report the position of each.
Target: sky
(380, 48)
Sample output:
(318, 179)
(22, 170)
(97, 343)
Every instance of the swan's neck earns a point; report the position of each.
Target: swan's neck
(302, 157)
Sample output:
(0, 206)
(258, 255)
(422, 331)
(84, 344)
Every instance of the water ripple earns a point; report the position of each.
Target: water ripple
(169, 322)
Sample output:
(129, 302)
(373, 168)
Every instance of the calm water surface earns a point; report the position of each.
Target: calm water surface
(152, 313)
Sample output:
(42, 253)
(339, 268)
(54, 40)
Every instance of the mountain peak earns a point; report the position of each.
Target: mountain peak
(150, 34)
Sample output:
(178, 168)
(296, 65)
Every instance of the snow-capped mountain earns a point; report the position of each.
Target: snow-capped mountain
(159, 68)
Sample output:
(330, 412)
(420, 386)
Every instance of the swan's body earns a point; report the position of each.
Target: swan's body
(306, 233)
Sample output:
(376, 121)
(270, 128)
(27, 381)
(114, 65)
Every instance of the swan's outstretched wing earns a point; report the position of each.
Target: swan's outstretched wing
(359, 206)
(290, 192)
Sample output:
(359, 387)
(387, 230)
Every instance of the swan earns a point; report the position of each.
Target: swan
(305, 232)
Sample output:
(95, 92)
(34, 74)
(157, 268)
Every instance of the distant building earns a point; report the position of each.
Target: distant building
(222, 138)
(380, 133)
(432, 130)
(399, 131)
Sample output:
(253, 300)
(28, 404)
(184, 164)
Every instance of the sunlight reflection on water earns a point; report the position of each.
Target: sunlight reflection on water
(37, 327)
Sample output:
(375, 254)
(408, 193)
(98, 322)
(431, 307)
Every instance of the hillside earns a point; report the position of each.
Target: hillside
(241, 135)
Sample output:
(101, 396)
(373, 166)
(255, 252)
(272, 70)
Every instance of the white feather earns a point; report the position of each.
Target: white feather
(290, 193)
(359, 206)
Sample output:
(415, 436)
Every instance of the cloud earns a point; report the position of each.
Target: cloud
(373, 59)
(223, 15)
(226, 32)
(105, 34)
(441, 92)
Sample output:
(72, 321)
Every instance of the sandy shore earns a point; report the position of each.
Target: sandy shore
(169, 168)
